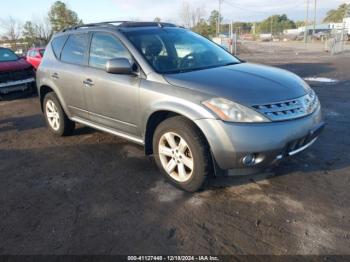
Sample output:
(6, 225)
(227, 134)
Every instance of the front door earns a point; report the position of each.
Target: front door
(112, 99)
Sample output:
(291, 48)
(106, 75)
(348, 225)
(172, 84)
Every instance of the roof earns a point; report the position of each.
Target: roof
(120, 24)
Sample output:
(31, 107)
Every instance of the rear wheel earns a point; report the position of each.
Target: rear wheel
(56, 119)
(182, 153)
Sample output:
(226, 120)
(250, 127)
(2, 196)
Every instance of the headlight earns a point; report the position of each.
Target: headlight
(233, 112)
(311, 102)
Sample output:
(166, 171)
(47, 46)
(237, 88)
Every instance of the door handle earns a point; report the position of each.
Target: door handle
(88, 83)
(55, 76)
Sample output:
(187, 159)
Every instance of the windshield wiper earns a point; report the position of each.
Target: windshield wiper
(231, 63)
(198, 68)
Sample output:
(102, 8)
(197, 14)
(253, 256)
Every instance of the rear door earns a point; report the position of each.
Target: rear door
(68, 73)
(112, 99)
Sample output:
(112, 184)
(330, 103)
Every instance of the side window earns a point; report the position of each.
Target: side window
(105, 47)
(74, 49)
(57, 45)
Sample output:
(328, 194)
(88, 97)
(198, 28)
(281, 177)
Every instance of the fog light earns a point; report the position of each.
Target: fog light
(249, 160)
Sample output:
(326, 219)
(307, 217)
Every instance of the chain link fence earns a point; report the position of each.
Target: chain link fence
(336, 43)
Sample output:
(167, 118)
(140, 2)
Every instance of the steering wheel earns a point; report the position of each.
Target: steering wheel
(186, 60)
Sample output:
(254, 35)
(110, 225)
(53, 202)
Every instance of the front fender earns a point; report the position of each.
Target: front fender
(178, 106)
(157, 96)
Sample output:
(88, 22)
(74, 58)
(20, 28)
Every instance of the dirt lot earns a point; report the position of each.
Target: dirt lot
(93, 193)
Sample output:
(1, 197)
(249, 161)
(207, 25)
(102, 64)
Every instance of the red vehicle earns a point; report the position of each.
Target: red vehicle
(16, 74)
(34, 56)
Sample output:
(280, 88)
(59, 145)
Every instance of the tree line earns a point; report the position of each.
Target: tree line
(39, 31)
(194, 18)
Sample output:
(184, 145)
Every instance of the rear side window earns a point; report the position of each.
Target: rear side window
(57, 45)
(74, 50)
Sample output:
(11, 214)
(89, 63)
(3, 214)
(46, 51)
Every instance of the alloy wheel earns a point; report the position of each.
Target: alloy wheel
(176, 156)
(52, 115)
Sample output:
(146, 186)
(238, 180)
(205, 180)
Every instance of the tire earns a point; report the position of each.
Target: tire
(63, 126)
(191, 145)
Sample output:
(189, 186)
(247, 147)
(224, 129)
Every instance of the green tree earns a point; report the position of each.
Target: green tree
(213, 21)
(36, 32)
(242, 27)
(299, 24)
(275, 24)
(337, 15)
(30, 33)
(60, 17)
(202, 28)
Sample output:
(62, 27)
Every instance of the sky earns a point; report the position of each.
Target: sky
(167, 10)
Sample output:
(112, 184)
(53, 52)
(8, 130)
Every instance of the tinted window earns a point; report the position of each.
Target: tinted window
(74, 49)
(105, 47)
(57, 45)
(7, 55)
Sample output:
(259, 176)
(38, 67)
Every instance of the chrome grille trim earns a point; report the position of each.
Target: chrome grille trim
(291, 109)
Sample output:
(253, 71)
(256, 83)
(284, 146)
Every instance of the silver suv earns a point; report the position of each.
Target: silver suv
(195, 107)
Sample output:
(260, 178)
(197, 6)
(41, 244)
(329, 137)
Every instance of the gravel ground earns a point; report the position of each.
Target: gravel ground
(93, 193)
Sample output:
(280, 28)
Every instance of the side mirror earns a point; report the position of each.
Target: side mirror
(119, 66)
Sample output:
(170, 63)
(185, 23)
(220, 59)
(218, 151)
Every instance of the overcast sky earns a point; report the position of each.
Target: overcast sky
(167, 10)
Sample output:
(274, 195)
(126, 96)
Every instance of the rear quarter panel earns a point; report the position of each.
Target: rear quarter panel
(48, 64)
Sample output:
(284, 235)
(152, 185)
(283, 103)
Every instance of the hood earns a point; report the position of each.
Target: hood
(19, 64)
(244, 83)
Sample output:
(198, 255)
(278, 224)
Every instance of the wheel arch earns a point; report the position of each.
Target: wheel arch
(158, 117)
(44, 90)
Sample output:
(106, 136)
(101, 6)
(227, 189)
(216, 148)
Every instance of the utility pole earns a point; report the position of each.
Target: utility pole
(306, 21)
(219, 19)
(315, 15)
(342, 39)
(271, 29)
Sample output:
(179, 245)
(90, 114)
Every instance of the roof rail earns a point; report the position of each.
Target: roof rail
(121, 24)
(108, 23)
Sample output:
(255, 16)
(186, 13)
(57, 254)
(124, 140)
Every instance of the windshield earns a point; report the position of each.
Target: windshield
(7, 55)
(42, 51)
(174, 50)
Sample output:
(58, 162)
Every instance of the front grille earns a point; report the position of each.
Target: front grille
(18, 75)
(291, 109)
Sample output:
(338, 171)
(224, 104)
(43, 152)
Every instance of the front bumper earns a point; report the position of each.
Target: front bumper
(20, 85)
(269, 142)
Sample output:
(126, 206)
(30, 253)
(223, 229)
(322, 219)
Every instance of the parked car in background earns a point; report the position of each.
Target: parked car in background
(198, 109)
(34, 56)
(16, 74)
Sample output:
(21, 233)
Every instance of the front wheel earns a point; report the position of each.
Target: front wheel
(182, 153)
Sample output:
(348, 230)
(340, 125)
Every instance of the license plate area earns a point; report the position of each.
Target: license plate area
(301, 144)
